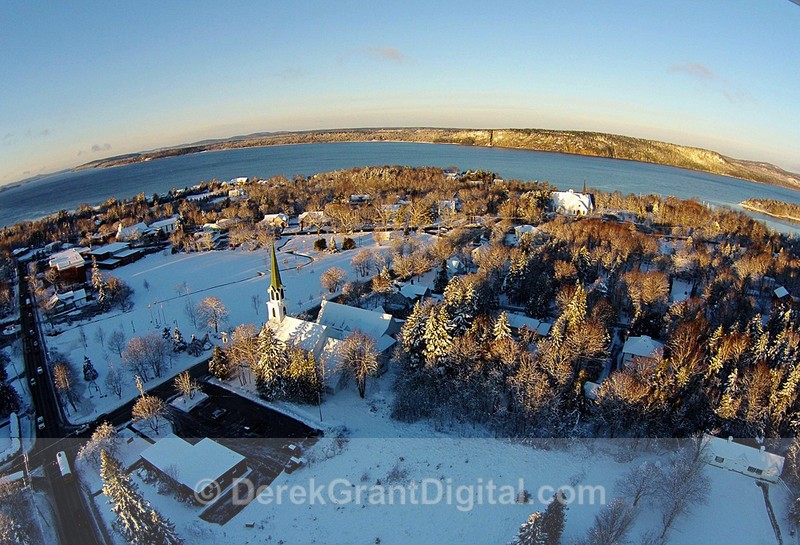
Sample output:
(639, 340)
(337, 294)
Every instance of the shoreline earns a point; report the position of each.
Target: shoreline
(746, 206)
(575, 143)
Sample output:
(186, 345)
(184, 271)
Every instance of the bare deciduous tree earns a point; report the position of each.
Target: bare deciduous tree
(186, 385)
(359, 358)
(332, 279)
(212, 311)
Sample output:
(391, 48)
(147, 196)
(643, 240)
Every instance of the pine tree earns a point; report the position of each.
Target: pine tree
(532, 532)
(99, 284)
(440, 282)
(89, 372)
(219, 366)
(10, 401)
(437, 336)
(412, 335)
(136, 520)
(502, 329)
(553, 519)
(166, 334)
(269, 371)
(304, 377)
(178, 344)
(127, 504)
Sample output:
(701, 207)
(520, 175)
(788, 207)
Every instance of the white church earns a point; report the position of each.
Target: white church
(323, 338)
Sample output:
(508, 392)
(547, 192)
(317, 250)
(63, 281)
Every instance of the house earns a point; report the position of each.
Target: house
(360, 199)
(201, 197)
(643, 350)
(681, 290)
(520, 321)
(176, 459)
(520, 230)
(133, 232)
(781, 293)
(344, 319)
(747, 460)
(571, 203)
(70, 264)
(276, 221)
(455, 267)
(165, 226)
(415, 292)
(448, 206)
(67, 301)
(116, 254)
(312, 217)
(238, 193)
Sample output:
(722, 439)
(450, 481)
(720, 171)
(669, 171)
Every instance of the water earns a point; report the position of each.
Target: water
(66, 191)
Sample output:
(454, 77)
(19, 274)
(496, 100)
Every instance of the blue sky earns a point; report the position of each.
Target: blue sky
(85, 80)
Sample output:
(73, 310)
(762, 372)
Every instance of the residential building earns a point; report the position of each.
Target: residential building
(754, 462)
(571, 203)
(642, 350)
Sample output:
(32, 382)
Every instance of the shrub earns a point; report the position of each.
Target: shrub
(348, 244)
(320, 244)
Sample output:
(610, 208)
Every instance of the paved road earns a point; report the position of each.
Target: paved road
(74, 519)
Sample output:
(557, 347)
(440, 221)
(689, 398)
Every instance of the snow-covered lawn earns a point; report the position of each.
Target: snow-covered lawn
(238, 278)
(413, 457)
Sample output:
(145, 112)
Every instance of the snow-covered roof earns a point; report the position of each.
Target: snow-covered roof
(67, 259)
(68, 297)
(345, 318)
(412, 291)
(643, 346)
(591, 389)
(132, 231)
(302, 334)
(746, 456)
(194, 464)
(572, 202)
(681, 290)
(164, 223)
(330, 357)
(520, 230)
(518, 321)
(273, 219)
(112, 248)
(318, 215)
(781, 292)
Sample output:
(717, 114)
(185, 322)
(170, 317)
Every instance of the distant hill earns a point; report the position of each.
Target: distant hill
(572, 142)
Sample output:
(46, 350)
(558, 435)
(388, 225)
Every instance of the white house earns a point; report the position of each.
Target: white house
(520, 321)
(279, 221)
(455, 266)
(572, 203)
(448, 206)
(132, 232)
(166, 226)
(520, 230)
(415, 292)
(753, 462)
(643, 349)
(237, 193)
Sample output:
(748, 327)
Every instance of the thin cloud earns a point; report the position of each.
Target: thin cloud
(695, 70)
(104, 147)
(377, 53)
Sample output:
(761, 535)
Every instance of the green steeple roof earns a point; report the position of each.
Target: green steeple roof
(275, 274)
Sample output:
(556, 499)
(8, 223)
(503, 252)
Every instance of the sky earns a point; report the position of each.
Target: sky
(84, 80)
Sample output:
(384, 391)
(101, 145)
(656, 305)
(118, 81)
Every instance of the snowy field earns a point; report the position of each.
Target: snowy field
(239, 278)
(381, 451)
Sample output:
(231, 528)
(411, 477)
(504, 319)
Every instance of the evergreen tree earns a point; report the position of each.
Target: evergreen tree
(271, 366)
(219, 366)
(304, 380)
(502, 329)
(440, 282)
(460, 300)
(553, 519)
(437, 336)
(4, 360)
(10, 401)
(99, 284)
(532, 532)
(178, 344)
(89, 372)
(136, 520)
(165, 333)
(131, 509)
(412, 335)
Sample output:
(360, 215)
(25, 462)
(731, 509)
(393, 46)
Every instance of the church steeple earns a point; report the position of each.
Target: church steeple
(276, 310)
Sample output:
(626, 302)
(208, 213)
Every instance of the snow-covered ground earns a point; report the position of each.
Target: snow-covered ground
(414, 457)
(239, 278)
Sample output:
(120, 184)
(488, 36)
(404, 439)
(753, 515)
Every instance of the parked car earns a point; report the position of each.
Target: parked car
(39, 370)
(33, 381)
(40, 422)
(294, 464)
